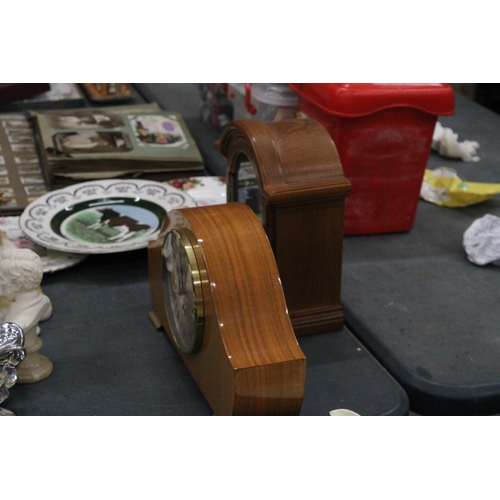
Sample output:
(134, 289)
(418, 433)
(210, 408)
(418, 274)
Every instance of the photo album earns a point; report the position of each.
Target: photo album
(136, 140)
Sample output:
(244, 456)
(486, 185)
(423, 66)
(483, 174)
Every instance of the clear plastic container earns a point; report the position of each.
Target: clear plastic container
(265, 102)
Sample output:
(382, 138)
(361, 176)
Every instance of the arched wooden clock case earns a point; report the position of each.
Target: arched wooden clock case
(217, 292)
(290, 173)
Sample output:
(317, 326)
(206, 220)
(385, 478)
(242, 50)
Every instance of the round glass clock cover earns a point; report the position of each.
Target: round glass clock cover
(182, 291)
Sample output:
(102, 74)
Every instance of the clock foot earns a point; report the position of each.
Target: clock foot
(154, 319)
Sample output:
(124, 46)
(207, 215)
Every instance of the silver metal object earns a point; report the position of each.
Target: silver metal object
(11, 354)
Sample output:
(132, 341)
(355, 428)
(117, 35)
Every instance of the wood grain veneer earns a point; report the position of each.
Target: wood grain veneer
(249, 362)
(303, 191)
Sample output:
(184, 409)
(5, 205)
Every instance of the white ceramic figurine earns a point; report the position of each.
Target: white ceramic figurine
(25, 304)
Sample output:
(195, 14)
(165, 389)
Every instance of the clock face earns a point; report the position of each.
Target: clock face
(244, 186)
(182, 291)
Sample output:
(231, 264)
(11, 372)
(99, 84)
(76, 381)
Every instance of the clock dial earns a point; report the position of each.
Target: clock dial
(183, 291)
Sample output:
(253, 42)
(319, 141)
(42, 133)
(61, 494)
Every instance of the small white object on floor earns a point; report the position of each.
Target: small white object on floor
(446, 143)
(482, 240)
(343, 412)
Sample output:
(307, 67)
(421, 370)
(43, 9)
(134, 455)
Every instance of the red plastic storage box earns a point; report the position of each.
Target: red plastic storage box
(383, 133)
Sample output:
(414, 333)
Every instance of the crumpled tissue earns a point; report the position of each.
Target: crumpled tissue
(443, 186)
(482, 240)
(446, 143)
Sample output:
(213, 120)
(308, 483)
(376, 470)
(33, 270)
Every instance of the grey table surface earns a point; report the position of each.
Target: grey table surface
(109, 359)
(428, 315)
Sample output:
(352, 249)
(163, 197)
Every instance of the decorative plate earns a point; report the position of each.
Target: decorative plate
(205, 190)
(98, 217)
(52, 260)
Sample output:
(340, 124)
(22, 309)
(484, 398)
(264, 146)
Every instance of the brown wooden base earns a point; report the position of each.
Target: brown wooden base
(312, 322)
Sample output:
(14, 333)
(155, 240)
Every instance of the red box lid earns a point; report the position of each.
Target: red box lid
(359, 99)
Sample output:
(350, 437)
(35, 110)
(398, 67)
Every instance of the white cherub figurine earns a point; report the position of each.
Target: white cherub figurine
(21, 273)
(5, 243)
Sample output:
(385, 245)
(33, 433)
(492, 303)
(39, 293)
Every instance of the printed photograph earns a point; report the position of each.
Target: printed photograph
(34, 179)
(25, 159)
(8, 193)
(92, 142)
(19, 131)
(157, 130)
(16, 124)
(23, 148)
(35, 190)
(85, 120)
(28, 169)
(21, 139)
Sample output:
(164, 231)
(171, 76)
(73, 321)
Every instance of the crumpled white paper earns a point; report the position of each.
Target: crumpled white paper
(482, 240)
(446, 143)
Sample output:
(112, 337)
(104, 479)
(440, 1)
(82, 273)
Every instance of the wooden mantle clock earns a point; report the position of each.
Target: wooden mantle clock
(217, 292)
(289, 173)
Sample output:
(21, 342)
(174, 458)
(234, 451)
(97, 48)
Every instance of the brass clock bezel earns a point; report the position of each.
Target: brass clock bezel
(197, 271)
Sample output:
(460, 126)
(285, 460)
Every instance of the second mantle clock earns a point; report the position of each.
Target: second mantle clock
(289, 173)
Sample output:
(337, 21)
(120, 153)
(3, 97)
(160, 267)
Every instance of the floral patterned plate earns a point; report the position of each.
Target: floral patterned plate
(105, 216)
(205, 190)
(52, 260)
